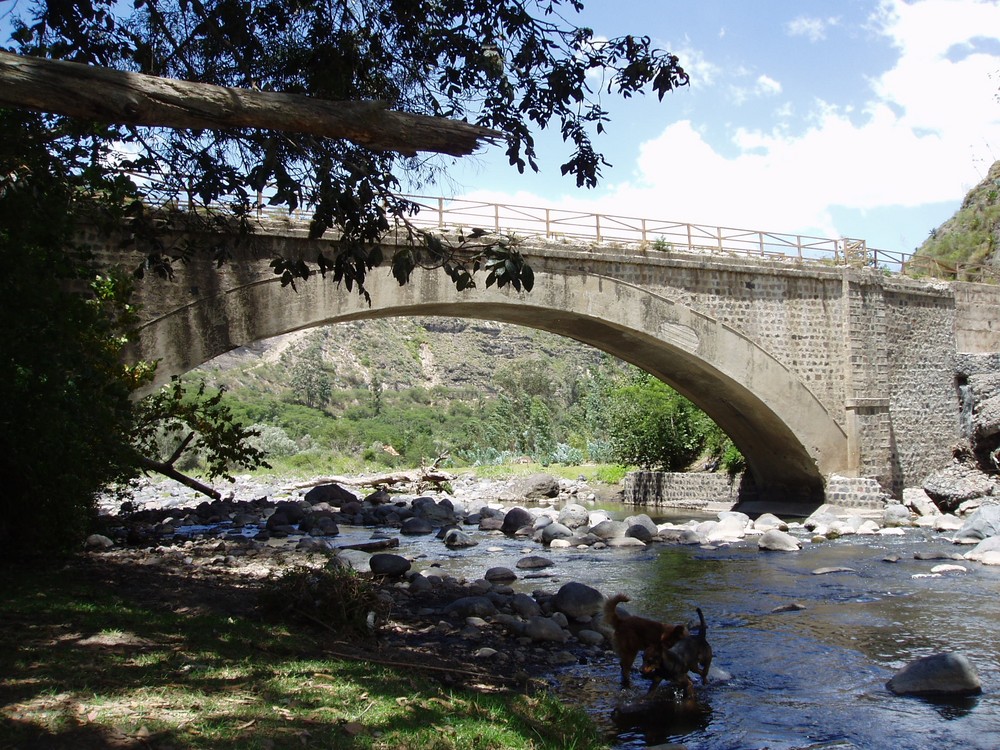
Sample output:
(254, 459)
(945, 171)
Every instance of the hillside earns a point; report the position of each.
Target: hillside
(972, 235)
(453, 354)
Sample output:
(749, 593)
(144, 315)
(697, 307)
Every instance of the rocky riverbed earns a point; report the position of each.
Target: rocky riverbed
(505, 622)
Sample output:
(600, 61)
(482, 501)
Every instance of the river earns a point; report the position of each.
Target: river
(810, 678)
(813, 677)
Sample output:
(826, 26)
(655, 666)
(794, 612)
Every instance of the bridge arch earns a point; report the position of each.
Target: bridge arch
(789, 439)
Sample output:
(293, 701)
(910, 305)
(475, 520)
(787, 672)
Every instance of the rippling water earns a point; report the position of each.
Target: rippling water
(812, 678)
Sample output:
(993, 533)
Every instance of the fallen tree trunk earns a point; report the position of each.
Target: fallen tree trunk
(108, 95)
(372, 546)
(422, 477)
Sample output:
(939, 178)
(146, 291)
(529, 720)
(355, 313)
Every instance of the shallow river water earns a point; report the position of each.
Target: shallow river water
(809, 678)
(812, 678)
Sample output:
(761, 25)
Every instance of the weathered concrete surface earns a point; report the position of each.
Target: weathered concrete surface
(812, 370)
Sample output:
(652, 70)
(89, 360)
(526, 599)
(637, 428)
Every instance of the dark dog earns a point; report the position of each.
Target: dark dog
(634, 634)
(673, 661)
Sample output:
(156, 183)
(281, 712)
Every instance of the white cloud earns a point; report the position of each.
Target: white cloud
(814, 29)
(927, 133)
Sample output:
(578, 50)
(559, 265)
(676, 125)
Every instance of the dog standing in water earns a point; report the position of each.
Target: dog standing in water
(672, 661)
(633, 634)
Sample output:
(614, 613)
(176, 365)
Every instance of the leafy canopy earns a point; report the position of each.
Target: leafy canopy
(509, 65)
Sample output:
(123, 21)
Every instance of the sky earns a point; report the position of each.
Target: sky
(868, 119)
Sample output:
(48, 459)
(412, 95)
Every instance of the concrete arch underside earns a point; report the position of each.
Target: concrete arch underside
(789, 439)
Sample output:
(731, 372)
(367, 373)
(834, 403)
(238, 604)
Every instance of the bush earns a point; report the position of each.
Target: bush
(335, 597)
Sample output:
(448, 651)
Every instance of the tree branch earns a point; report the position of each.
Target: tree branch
(167, 470)
(107, 95)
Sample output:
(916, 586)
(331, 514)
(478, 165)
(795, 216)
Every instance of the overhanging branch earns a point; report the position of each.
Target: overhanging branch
(107, 95)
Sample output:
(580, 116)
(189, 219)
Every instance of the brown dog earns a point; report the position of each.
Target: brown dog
(632, 634)
(673, 661)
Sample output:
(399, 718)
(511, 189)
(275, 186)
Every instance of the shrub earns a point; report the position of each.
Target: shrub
(335, 597)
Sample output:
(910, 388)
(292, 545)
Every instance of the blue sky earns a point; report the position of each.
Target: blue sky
(868, 119)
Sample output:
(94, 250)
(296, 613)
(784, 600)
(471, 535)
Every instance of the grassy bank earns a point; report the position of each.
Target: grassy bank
(85, 663)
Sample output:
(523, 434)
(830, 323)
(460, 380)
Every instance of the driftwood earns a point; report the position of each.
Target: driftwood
(372, 546)
(418, 478)
(108, 95)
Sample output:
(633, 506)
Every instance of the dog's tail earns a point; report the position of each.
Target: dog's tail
(702, 628)
(611, 609)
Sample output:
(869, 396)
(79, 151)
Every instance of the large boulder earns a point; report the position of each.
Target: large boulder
(537, 487)
(982, 524)
(514, 519)
(574, 516)
(575, 599)
(777, 541)
(956, 483)
(333, 494)
(388, 565)
(939, 674)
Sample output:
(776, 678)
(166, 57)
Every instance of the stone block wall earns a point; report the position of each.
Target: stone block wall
(678, 489)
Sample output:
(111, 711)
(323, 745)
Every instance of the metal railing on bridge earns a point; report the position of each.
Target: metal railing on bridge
(587, 228)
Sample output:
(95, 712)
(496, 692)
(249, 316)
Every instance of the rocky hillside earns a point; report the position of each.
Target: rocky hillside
(457, 355)
(972, 235)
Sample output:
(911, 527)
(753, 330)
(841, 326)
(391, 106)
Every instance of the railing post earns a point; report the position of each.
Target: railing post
(718, 234)
(440, 213)
(597, 225)
(548, 226)
(690, 244)
(496, 218)
(643, 230)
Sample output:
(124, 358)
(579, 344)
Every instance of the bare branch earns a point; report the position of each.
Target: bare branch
(107, 95)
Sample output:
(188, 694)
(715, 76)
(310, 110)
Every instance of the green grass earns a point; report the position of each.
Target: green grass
(80, 664)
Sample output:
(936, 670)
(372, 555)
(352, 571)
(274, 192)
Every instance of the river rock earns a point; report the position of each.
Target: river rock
(640, 532)
(416, 526)
(606, 530)
(917, 500)
(544, 629)
(536, 487)
(533, 562)
(625, 541)
(778, 541)
(939, 674)
(768, 521)
(643, 520)
(578, 600)
(983, 524)
(500, 575)
(956, 483)
(976, 554)
(896, 514)
(99, 541)
(388, 565)
(515, 519)
(333, 494)
(456, 539)
(525, 605)
(471, 606)
(573, 516)
(946, 522)
(731, 527)
(555, 531)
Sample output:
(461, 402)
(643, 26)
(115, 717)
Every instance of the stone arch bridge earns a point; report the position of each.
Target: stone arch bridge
(815, 370)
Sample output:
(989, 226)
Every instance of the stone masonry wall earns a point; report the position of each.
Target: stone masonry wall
(678, 489)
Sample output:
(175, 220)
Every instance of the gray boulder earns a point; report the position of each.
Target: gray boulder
(471, 606)
(514, 519)
(556, 531)
(574, 516)
(388, 565)
(777, 541)
(537, 487)
(982, 524)
(939, 674)
(609, 530)
(456, 539)
(544, 629)
(416, 526)
(333, 494)
(533, 562)
(578, 600)
(500, 575)
(951, 486)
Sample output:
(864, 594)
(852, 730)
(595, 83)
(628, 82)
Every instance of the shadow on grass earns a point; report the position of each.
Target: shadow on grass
(98, 653)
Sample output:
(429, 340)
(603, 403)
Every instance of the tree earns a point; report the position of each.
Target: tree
(652, 426)
(506, 66)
